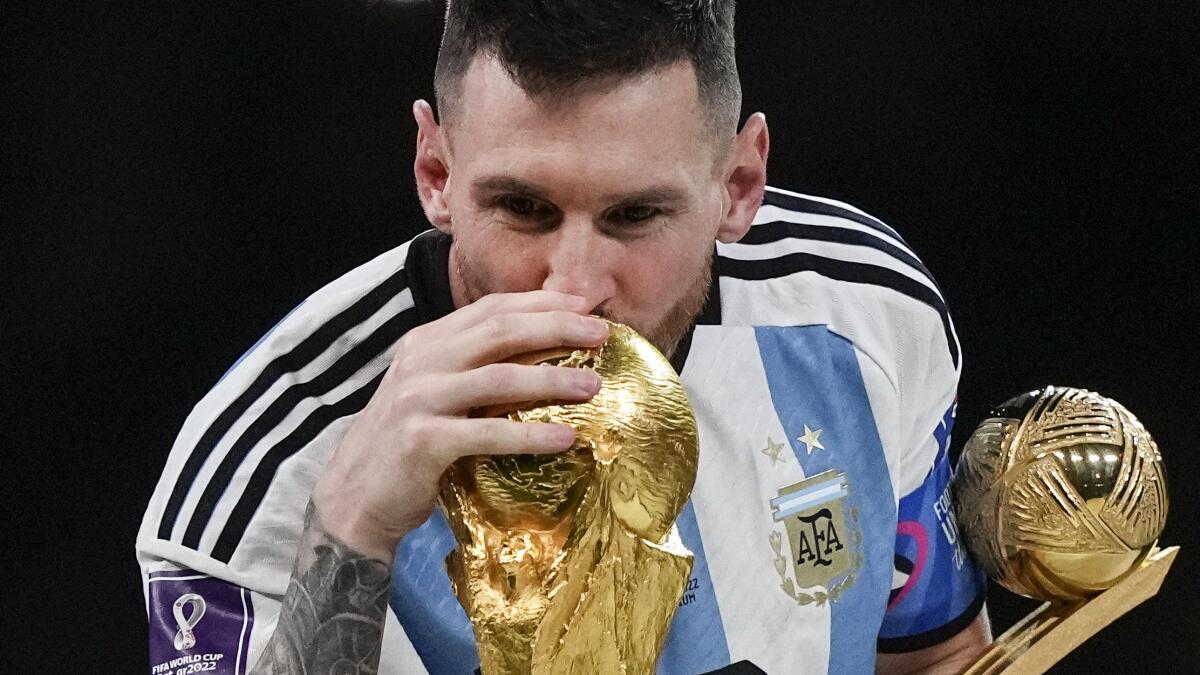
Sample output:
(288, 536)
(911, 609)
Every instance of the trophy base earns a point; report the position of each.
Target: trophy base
(1053, 630)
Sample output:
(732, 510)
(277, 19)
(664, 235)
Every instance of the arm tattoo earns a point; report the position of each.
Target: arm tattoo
(332, 615)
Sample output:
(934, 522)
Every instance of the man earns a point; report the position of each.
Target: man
(585, 161)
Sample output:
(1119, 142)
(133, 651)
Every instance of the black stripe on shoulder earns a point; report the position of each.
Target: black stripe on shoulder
(806, 205)
(341, 370)
(765, 233)
(256, 489)
(840, 270)
(303, 353)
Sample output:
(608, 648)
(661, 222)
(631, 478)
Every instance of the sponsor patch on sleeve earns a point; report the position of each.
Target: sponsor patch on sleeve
(198, 624)
(936, 589)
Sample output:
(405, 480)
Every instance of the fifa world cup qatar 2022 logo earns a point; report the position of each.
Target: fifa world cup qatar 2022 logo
(188, 609)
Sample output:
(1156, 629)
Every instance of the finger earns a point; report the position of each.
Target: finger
(503, 336)
(441, 346)
(499, 436)
(517, 303)
(505, 384)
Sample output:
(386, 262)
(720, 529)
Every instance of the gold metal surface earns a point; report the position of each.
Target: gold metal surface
(570, 563)
(1061, 496)
(1055, 629)
(1063, 501)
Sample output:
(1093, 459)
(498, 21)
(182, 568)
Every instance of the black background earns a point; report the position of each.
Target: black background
(178, 175)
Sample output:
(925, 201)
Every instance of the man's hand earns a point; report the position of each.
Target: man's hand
(383, 479)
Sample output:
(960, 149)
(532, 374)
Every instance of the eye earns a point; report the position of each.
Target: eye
(524, 206)
(635, 214)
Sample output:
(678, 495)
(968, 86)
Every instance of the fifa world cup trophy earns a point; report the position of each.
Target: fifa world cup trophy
(571, 563)
(1061, 496)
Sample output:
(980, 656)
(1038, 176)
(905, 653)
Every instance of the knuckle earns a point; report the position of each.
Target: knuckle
(498, 328)
(403, 400)
(526, 435)
(404, 358)
(414, 335)
(496, 376)
(491, 301)
(420, 434)
(488, 434)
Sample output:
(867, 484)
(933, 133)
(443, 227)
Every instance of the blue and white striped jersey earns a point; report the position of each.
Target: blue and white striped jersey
(822, 373)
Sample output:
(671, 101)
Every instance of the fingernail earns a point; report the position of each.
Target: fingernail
(595, 328)
(588, 382)
(559, 435)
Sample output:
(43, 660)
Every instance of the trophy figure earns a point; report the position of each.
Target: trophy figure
(571, 563)
(1061, 496)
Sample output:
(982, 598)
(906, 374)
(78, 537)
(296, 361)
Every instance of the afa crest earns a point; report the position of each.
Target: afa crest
(824, 551)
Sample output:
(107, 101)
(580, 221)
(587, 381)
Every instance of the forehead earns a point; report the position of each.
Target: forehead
(644, 126)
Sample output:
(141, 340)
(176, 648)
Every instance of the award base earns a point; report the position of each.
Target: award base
(1053, 630)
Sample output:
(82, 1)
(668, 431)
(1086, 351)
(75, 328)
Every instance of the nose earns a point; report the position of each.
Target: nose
(582, 262)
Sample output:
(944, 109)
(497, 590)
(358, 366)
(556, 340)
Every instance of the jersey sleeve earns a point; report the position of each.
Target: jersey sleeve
(936, 589)
(220, 534)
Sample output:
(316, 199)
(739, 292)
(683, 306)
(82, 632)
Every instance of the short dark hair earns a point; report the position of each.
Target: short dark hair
(552, 47)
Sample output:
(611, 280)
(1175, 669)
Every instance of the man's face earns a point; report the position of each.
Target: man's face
(615, 194)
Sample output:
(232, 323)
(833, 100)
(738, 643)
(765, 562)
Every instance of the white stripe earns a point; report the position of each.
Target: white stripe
(190, 578)
(269, 351)
(835, 251)
(238, 664)
(318, 308)
(900, 344)
(817, 498)
(769, 213)
(290, 489)
(831, 202)
(735, 416)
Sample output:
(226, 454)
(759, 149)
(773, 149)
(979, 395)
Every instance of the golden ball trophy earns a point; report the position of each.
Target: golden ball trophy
(571, 563)
(1061, 496)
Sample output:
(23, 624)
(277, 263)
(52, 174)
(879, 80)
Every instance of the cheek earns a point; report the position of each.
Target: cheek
(659, 276)
(500, 262)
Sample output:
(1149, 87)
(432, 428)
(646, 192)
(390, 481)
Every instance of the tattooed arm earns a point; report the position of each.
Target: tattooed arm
(333, 613)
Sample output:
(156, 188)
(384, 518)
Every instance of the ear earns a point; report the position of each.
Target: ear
(745, 177)
(431, 167)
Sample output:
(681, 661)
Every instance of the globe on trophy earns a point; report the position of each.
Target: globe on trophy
(1061, 496)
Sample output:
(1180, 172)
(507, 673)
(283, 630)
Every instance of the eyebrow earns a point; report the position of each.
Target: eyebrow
(503, 184)
(656, 194)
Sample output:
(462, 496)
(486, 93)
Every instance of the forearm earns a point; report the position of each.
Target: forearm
(333, 611)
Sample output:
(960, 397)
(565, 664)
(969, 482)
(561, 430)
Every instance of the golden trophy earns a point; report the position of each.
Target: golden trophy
(570, 563)
(1061, 496)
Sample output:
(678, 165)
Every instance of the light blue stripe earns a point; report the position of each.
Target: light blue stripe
(696, 643)
(817, 500)
(812, 498)
(425, 603)
(814, 379)
(808, 490)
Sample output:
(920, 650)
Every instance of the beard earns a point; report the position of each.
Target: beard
(664, 333)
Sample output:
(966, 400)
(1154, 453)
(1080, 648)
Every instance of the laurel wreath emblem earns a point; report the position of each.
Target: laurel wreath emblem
(819, 598)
